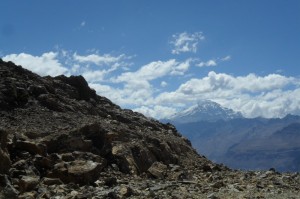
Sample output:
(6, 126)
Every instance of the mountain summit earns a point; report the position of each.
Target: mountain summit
(205, 110)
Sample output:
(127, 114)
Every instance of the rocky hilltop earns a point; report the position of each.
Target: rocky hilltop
(59, 139)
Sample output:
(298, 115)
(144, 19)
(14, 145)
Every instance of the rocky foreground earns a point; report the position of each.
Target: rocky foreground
(61, 140)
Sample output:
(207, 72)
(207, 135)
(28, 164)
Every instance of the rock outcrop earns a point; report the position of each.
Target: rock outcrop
(61, 140)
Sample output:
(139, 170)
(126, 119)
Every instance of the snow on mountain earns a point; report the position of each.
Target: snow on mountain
(205, 110)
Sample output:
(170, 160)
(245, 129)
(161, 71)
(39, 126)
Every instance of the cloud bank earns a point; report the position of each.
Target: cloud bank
(46, 64)
(161, 88)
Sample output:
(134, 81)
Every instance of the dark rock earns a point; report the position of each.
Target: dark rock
(6, 189)
(158, 170)
(51, 181)
(78, 171)
(84, 91)
(4, 156)
(31, 147)
(28, 183)
(110, 181)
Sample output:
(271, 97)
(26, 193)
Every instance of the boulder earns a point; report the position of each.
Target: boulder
(77, 171)
(28, 183)
(158, 170)
(125, 191)
(51, 181)
(31, 147)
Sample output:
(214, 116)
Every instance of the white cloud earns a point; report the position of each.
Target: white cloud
(227, 58)
(97, 59)
(272, 95)
(156, 111)
(208, 63)
(46, 64)
(155, 70)
(163, 84)
(94, 76)
(186, 42)
(213, 62)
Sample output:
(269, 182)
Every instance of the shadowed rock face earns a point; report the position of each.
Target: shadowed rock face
(58, 138)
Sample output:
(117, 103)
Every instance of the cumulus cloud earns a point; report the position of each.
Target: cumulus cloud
(155, 70)
(272, 95)
(107, 62)
(94, 76)
(46, 64)
(97, 59)
(268, 96)
(156, 111)
(163, 84)
(134, 88)
(227, 58)
(213, 62)
(186, 42)
(208, 63)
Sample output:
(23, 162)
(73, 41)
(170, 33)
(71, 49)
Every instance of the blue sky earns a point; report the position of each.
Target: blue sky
(159, 57)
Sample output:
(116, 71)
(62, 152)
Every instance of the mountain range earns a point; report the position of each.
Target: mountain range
(59, 139)
(225, 136)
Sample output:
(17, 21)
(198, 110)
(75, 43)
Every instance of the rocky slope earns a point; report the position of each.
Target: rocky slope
(61, 140)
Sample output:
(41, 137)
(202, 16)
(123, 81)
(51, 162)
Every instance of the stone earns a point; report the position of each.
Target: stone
(125, 191)
(212, 196)
(51, 181)
(28, 195)
(4, 156)
(110, 181)
(158, 170)
(31, 147)
(6, 189)
(28, 183)
(217, 184)
(78, 171)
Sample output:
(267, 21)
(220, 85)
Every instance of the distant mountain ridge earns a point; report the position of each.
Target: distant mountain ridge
(205, 110)
(225, 136)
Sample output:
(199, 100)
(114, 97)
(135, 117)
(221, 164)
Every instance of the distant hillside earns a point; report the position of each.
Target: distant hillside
(239, 142)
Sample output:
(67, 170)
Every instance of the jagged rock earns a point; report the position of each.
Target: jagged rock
(77, 171)
(212, 196)
(6, 189)
(51, 181)
(110, 181)
(4, 156)
(158, 170)
(31, 147)
(84, 92)
(28, 183)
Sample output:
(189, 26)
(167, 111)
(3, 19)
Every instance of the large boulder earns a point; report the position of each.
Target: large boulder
(78, 171)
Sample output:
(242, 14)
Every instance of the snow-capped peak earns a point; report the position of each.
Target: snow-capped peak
(205, 110)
